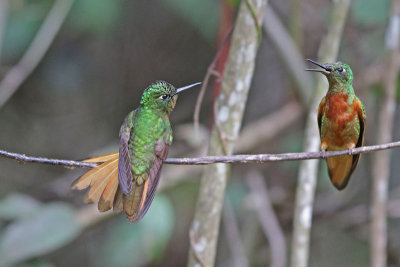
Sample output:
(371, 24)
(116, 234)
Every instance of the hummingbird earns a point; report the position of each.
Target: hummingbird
(341, 121)
(127, 180)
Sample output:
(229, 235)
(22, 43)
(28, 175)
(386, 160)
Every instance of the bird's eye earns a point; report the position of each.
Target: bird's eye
(340, 70)
(164, 97)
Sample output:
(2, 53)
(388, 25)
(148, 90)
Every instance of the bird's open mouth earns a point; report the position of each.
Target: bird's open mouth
(325, 69)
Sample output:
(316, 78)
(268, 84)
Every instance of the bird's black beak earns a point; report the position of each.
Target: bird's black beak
(325, 70)
(179, 90)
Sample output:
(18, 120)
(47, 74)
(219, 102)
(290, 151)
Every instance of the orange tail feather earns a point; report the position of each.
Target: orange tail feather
(107, 198)
(102, 180)
(103, 158)
(340, 169)
(97, 187)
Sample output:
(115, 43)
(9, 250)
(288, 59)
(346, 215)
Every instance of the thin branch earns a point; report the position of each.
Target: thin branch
(206, 160)
(204, 84)
(38, 48)
(381, 161)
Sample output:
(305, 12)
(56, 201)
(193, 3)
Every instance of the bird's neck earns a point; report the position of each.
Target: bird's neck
(340, 88)
(153, 113)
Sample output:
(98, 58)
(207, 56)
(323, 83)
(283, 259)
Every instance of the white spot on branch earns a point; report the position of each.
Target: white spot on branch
(305, 217)
(200, 245)
(223, 114)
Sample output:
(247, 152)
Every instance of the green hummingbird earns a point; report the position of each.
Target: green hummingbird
(341, 121)
(127, 180)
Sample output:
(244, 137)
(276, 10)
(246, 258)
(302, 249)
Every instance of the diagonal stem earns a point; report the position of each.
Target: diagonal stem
(36, 51)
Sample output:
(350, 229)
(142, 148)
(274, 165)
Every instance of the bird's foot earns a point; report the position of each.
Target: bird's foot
(323, 151)
(350, 151)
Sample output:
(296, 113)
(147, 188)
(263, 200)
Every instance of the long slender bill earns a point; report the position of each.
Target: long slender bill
(179, 90)
(325, 70)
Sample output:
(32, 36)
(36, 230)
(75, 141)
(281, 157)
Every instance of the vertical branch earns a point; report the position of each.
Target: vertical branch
(36, 51)
(381, 160)
(229, 109)
(305, 191)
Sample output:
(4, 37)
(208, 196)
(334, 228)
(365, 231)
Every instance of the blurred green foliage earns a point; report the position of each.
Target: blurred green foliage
(370, 12)
(22, 25)
(203, 15)
(96, 18)
(128, 244)
(16, 206)
(38, 231)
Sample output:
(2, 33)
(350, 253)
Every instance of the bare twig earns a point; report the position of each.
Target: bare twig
(206, 160)
(210, 71)
(255, 19)
(308, 169)
(268, 219)
(381, 161)
(40, 44)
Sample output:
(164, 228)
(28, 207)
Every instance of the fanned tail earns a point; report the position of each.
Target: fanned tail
(103, 158)
(102, 180)
(105, 190)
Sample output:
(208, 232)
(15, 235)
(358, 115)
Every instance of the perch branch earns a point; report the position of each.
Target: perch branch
(206, 160)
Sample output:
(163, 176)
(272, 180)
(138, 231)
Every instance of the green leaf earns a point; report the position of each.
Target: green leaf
(203, 15)
(51, 227)
(18, 205)
(141, 242)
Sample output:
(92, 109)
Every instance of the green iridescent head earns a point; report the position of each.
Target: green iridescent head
(162, 96)
(336, 73)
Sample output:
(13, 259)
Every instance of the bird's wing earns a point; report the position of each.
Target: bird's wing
(125, 163)
(361, 118)
(137, 203)
(321, 110)
(161, 151)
